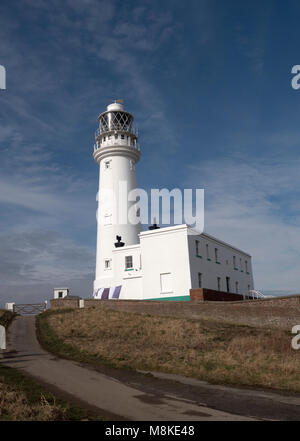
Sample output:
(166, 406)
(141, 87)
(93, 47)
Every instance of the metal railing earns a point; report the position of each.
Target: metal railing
(112, 143)
(258, 295)
(131, 130)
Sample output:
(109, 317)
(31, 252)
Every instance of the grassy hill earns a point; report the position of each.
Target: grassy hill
(209, 349)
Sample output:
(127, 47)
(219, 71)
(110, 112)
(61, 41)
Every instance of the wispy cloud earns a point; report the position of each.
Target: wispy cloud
(253, 204)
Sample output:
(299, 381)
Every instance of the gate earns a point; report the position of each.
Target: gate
(30, 309)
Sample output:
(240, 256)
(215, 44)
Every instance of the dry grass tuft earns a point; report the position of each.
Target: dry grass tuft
(205, 349)
(15, 406)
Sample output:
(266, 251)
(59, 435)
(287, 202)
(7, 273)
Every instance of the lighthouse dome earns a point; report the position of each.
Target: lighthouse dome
(115, 107)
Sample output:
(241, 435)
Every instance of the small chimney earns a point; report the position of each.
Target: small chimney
(154, 226)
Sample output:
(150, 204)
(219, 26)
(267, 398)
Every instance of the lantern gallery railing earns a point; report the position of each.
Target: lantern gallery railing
(114, 142)
(101, 130)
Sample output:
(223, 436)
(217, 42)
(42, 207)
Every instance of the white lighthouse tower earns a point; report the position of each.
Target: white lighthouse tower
(117, 152)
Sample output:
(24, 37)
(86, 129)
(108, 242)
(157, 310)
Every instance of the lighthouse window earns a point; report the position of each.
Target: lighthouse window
(107, 219)
(128, 262)
(116, 136)
(107, 164)
(122, 136)
(107, 264)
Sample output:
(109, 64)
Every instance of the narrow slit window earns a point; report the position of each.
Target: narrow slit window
(228, 284)
(107, 264)
(216, 254)
(199, 280)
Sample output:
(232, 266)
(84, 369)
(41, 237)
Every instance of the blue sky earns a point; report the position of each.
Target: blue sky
(209, 84)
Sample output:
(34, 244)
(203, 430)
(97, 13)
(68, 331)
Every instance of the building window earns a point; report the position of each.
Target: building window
(248, 288)
(241, 264)
(107, 219)
(216, 255)
(166, 283)
(219, 283)
(246, 266)
(199, 280)
(228, 284)
(207, 251)
(107, 264)
(128, 262)
(60, 294)
(197, 248)
(237, 287)
(104, 138)
(234, 262)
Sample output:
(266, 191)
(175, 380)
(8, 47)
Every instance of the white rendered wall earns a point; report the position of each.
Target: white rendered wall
(168, 256)
(211, 270)
(9, 306)
(165, 257)
(121, 170)
(130, 280)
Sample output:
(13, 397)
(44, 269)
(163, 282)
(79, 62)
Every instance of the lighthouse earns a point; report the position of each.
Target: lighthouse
(158, 263)
(117, 152)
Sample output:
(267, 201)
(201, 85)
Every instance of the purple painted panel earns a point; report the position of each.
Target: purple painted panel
(105, 294)
(117, 291)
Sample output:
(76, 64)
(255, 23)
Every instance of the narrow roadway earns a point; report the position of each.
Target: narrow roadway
(136, 396)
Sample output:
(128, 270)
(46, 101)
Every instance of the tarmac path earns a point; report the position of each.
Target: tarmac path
(131, 395)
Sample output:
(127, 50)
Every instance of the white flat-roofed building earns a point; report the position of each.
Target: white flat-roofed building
(60, 293)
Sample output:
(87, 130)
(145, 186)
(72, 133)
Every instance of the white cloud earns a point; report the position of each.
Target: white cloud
(246, 206)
